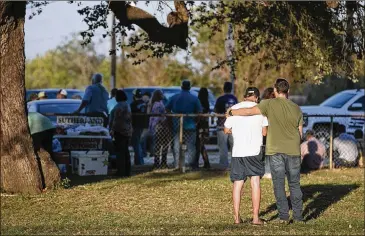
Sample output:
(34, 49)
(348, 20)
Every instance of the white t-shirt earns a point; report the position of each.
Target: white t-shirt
(246, 131)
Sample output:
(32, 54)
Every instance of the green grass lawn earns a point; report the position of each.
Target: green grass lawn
(167, 202)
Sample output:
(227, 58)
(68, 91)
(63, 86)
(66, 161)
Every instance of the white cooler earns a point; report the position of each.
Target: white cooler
(86, 163)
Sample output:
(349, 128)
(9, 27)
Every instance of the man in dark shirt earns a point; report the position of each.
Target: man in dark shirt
(138, 108)
(185, 103)
(221, 106)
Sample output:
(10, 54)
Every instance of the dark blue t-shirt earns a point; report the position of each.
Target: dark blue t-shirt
(221, 106)
(185, 103)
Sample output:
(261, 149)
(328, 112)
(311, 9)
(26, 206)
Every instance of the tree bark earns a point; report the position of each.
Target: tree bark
(19, 169)
(350, 40)
(175, 35)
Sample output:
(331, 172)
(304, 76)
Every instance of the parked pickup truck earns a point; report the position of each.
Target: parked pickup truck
(347, 102)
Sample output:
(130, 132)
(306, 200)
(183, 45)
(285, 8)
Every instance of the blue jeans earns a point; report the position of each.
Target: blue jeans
(136, 144)
(284, 165)
(223, 140)
(189, 139)
(145, 138)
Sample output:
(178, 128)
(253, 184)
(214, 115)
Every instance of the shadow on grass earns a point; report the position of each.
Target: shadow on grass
(319, 196)
(145, 172)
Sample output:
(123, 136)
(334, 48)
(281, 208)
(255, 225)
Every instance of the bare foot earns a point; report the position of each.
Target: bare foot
(238, 221)
(257, 222)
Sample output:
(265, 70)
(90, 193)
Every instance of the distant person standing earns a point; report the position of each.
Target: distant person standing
(112, 101)
(139, 110)
(359, 136)
(159, 129)
(120, 125)
(146, 97)
(62, 94)
(42, 96)
(268, 94)
(185, 103)
(202, 135)
(221, 106)
(346, 146)
(95, 99)
(283, 146)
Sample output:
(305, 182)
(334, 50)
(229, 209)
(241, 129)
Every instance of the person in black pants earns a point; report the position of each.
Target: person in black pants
(121, 129)
(202, 136)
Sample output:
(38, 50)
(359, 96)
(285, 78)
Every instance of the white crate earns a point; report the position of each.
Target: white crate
(86, 163)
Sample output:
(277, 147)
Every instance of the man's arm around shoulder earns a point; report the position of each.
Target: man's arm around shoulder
(244, 111)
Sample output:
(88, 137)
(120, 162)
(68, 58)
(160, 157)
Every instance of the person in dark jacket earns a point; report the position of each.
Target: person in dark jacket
(139, 109)
(203, 129)
(120, 124)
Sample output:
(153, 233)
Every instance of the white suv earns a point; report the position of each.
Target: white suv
(347, 102)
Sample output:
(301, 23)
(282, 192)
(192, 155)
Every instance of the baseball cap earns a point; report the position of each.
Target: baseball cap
(137, 93)
(42, 94)
(63, 92)
(250, 91)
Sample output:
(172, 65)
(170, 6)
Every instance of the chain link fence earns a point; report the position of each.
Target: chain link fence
(189, 141)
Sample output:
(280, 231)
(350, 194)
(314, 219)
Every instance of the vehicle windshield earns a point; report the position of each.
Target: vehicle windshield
(53, 94)
(338, 100)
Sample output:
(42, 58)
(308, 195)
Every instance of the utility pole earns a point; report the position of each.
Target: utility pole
(229, 45)
(113, 56)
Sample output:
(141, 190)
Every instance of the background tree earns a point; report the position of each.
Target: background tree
(19, 172)
(318, 39)
(68, 66)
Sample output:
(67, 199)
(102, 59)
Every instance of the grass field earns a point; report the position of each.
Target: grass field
(193, 203)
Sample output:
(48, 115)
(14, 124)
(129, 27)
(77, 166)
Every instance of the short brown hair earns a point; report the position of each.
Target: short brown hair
(282, 86)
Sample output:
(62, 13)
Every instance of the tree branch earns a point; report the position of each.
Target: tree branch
(174, 36)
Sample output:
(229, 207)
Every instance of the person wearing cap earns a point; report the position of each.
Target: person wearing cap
(42, 95)
(139, 109)
(282, 147)
(224, 102)
(312, 152)
(95, 99)
(247, 157)
(185, 103)
(62, 94)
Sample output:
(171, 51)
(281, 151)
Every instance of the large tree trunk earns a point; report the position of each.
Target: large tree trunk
(19, 170)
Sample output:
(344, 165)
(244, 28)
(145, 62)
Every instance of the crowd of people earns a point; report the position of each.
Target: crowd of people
(61, 94)
(265, 135)
(152, 132)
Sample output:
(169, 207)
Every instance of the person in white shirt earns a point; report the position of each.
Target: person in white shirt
(346, 146)
(112, 102)
(247, 159)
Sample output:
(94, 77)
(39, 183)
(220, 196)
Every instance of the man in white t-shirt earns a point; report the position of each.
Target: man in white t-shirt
(247, 159)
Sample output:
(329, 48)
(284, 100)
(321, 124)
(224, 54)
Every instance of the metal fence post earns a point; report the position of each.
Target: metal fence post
(331, 143)
(181, 152)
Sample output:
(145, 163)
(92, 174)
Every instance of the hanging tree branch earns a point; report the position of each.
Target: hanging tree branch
(174, 35)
